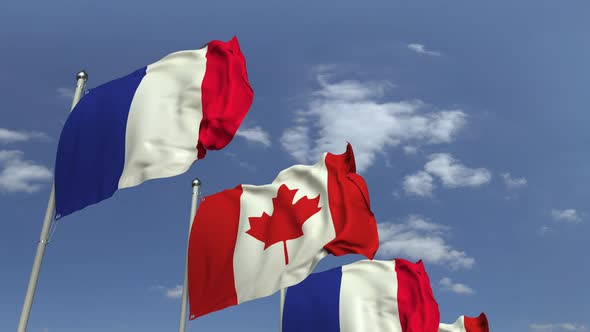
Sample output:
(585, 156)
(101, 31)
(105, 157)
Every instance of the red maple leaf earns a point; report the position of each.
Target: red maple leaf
(286, 221)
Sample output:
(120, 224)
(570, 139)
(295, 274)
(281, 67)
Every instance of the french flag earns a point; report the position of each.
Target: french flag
(384, 296)
(467, 324)
(152, 123)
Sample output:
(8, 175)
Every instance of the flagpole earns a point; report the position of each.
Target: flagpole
(47, 221)
(281, 307)
(196, 191)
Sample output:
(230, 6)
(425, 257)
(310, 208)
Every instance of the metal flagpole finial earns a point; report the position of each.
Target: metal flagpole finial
(82, 75)
(196, 182)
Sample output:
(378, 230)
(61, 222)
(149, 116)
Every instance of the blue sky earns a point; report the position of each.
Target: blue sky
(468, 121)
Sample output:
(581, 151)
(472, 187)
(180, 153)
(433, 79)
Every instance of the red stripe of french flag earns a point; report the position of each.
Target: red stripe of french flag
(476, 324)
(415, 300)
(226, 95)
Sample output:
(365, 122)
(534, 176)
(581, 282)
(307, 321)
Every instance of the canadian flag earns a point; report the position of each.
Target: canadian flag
(467, 324)
(250, 241)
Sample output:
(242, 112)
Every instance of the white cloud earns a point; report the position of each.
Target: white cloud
(240, 163)
(450, 171)
(419, 223)
(565, 215)
(295, 141)
(171, 293)
(545, 229)
(557, 327)
(350, 90)
(513, 183)
(334, 114)
(420, 184)
(174, 293)
(11, 136)
(418, 238)
(454, 174)
(20, 175)
(388, 163)
(420, 48)
(448, 285)
(408, 149)
(256, 135)
(65, 93)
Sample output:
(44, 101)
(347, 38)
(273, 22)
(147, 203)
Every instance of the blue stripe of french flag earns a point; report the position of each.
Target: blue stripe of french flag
(152, 123)
(368, 295)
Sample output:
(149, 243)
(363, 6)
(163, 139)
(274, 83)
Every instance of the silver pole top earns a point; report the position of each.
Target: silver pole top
(196, 182)
(82, 75)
